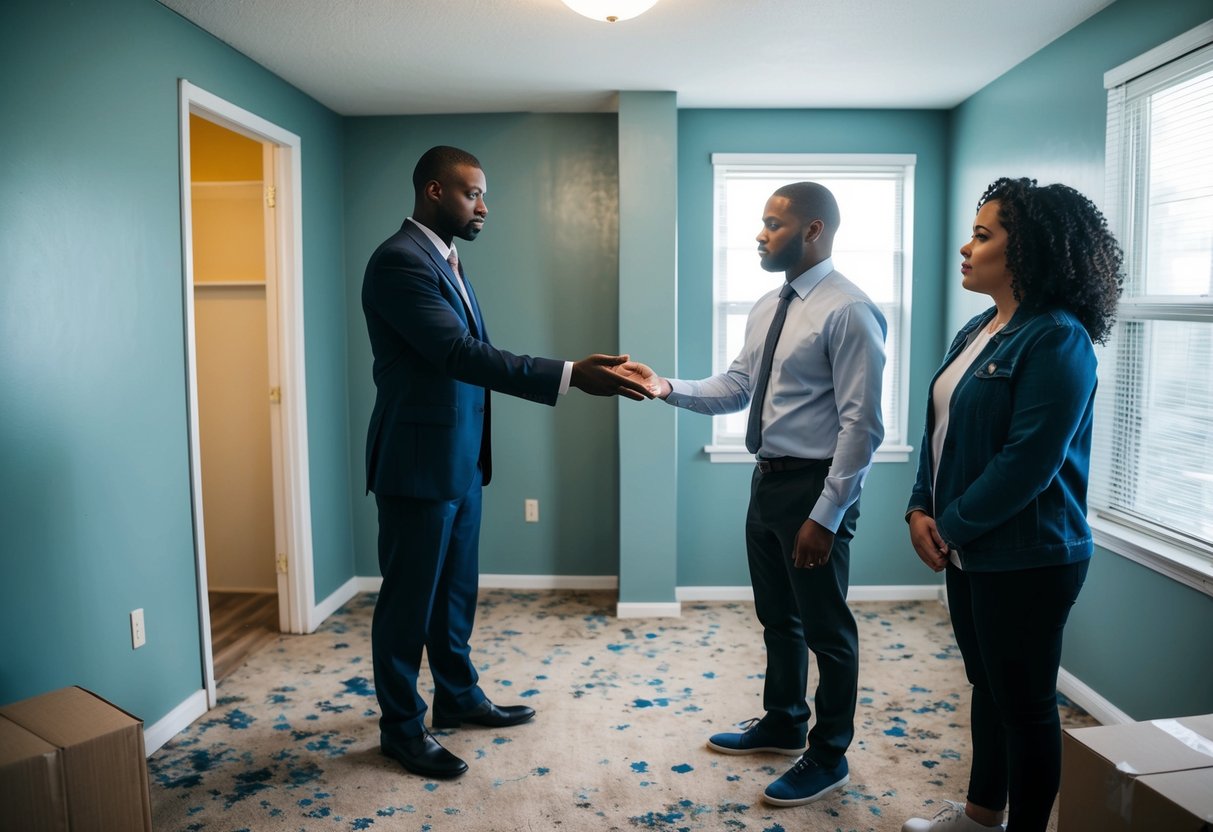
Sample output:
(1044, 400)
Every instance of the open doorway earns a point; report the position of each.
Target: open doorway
(247, 417)
(232, 204)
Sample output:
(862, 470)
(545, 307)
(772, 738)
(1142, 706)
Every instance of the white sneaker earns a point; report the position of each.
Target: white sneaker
(951, 818)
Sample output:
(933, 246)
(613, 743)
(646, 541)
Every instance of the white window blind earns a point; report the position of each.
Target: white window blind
(1152, 466)
(872, 248)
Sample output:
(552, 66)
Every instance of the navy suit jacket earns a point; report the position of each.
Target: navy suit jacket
(433, 370)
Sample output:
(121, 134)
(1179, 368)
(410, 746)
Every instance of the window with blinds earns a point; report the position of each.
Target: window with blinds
(872, 248)
(1152, 466)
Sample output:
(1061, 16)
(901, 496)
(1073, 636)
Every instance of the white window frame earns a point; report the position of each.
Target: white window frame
(1180, 558)
(722, 162)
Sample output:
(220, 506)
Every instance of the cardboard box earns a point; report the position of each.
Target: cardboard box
(1179, 800)
(31, 782)
(72, 762)
(1142, 777)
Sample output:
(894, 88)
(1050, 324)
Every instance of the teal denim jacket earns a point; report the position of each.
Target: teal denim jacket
(1012, 486)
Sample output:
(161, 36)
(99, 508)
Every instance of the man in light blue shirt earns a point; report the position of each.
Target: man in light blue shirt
(817, 425)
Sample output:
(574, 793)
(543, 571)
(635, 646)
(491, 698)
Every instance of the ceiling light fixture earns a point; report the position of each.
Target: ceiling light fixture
(610, 11)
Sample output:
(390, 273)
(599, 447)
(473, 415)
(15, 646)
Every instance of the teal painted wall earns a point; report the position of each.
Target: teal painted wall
(713, 497)
(546, 271)
(1138, 638)
(95, 514)
(648, 291)
(94, 485)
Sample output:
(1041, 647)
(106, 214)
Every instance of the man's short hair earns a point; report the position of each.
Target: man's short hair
(436, 162)
(811, 201)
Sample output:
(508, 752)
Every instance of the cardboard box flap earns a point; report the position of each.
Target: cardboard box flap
(31, 782)
(18, 744)
(68, 716)
(1177, 801)
(1152, 747)
(1191, 789)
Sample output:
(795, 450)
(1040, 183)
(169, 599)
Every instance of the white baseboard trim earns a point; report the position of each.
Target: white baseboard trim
(333, 603)
(1089, 700)
(906, 592)
(648, 609)
(174, 722)
(714, 593)
(241, 590)
(909, 592)
(549, 582)
(492, 581)
(369, 584)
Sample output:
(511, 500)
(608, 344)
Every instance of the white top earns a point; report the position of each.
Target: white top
(941, 400)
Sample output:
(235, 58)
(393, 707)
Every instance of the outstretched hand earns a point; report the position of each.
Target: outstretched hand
(643, 373)
(596, 375)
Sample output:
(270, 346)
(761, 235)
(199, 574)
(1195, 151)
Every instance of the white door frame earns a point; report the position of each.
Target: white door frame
(296, 495)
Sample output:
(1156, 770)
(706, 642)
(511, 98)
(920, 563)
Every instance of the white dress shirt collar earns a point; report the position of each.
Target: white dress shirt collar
(444, 251)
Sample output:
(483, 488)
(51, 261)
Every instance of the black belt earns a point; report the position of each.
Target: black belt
(789, 463)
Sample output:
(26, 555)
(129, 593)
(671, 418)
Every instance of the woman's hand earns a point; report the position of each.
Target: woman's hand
(927, 543)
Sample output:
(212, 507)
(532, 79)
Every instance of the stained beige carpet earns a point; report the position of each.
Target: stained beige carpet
(618, 744)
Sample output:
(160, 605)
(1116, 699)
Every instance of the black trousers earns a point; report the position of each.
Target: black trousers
(802, 610)
(1009, 626)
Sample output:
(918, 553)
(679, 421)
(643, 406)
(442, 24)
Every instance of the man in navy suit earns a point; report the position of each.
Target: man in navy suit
(428, 455)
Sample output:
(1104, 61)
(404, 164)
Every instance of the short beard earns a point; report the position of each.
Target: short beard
(785, 259)
(468, 232)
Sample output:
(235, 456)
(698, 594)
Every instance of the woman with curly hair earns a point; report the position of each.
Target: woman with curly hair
(1000, 498)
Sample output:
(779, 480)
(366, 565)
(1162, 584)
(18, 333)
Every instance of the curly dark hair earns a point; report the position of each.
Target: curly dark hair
(1059, 251)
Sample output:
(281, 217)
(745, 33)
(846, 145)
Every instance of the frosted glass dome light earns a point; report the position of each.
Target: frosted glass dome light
(610, 11)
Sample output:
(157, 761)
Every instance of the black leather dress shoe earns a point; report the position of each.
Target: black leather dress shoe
(423, 755)
(486, 714)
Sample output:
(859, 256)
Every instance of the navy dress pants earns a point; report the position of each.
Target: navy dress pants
(429, 559)
(802, 610)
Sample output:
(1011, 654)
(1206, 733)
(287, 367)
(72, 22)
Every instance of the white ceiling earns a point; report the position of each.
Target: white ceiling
(393, 57)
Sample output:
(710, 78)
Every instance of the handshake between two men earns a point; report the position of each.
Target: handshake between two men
(610, 375)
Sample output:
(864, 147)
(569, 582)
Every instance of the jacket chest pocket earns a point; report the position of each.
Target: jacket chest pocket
(989, 393)
(995, 368)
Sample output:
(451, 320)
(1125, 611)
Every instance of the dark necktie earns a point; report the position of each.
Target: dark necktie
(753, 433)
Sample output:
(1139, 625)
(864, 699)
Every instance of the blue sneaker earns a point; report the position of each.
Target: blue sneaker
(805, 782)
(755, 738)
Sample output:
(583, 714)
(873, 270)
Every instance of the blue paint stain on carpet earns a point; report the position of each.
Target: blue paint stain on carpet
(359, 686)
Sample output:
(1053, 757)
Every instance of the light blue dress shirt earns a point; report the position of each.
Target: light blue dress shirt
(823, 397)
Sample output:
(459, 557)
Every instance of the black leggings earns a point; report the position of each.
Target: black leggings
(1008, 626)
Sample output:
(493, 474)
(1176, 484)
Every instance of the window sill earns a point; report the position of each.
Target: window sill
(1163, 556)
(733, 454)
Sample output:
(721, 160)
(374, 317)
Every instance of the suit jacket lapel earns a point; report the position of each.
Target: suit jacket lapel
(444, 269)
(484, 335)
